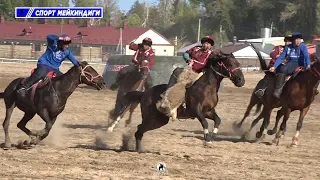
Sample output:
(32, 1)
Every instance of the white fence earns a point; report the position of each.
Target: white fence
(8, 60)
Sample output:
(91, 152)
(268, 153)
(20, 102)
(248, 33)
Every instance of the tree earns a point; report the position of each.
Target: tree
(110, 7)
(134, 20)
(83, 3)
(137, 8)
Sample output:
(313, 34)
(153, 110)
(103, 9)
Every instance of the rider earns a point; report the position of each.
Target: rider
(196, 57)
(277, 50)
(297, 54)
(56, 52)
(144, 55)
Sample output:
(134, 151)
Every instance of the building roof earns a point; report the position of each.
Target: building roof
(231, 48)
(108, 35)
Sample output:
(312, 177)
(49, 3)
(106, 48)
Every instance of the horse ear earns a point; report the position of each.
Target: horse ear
(83, 63)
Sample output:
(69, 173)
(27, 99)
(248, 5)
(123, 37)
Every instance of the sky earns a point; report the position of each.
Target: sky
(125, 5)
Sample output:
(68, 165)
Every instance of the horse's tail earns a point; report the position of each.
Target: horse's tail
(263, 63)
(1, 95)
(123, 104)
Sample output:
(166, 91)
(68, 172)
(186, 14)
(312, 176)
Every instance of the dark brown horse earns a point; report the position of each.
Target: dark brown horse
(131, 82)
(47, 101)
(268, 102)
(201, 98)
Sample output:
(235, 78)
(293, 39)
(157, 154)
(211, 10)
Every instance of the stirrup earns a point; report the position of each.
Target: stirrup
(260, 92)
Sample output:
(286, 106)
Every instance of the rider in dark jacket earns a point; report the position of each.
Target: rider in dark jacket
(144, 55)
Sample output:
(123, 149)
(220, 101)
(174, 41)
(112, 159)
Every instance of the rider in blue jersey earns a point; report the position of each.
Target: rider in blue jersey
(57, 51)
(297, 55)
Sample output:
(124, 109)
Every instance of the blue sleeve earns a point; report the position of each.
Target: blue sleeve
(72, 58)
(186, 56)
(52, 41)
(304, 50)
(281, 57)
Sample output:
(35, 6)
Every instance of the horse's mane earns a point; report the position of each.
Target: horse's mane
(59, 77)
(220, 57)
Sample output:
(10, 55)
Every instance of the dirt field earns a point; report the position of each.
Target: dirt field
(77, 147)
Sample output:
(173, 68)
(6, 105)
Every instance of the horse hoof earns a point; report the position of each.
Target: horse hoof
(293, 145)
(34, 140)
(207, 143)
(236, 126)
(140, 151)
(6, 145)
(26, 143)
(258, 134)
(110, 130)
(270, 132)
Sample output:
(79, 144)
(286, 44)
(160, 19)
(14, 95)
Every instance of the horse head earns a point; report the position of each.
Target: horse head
(90, 77)
(227, 66)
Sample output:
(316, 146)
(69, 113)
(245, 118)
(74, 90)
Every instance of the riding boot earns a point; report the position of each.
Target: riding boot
(28, 83)
(280, 80)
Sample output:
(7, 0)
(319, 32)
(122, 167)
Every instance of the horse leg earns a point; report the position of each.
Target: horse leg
(278, 117)
(204, 124)
(253, 101)
(147, 125)
(23, 122)
(6, 124)
(42, 134)
(114, 123)
(286, 114)
(303, 113)
(266, 121)
(131, 110)
(117, 118)
(217, 121)
(254, 122)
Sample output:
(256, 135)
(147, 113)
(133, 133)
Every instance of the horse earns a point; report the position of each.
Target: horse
(47, 99)
(201, 98)
(269, 102)
(131, 82)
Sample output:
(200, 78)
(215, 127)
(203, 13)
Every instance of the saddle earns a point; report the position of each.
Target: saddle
(39, 84)
(42, 82)
(294, 74)
(260, 92)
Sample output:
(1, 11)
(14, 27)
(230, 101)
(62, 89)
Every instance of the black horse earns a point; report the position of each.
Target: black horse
(47, 99)
(201, 98)
(131, 82)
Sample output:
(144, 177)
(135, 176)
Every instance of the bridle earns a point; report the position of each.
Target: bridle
(85, 73)
(230, 71)
(315, 72)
